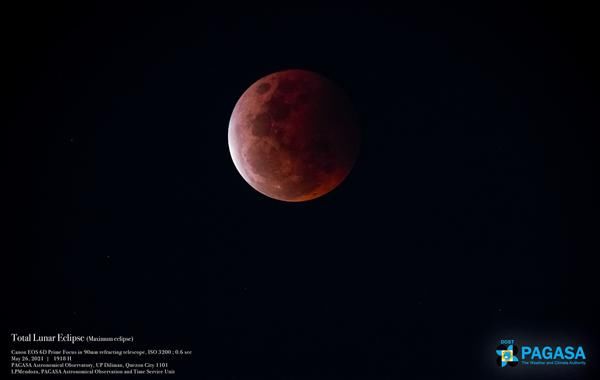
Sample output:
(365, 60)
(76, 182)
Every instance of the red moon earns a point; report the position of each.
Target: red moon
(293, 136)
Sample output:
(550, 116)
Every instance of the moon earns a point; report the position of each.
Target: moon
(293, 135)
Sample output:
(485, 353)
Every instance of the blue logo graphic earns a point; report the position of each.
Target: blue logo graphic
(507, 355)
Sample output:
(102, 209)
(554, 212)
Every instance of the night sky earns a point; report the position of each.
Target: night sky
(468, 217)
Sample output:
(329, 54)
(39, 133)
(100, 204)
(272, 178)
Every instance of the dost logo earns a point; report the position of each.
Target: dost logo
(507, 354)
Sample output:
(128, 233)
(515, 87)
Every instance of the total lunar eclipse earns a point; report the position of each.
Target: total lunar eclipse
(293, 135)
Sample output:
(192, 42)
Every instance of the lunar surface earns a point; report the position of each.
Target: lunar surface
(293, 135)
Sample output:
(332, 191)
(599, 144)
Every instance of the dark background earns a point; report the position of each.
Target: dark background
(469, 216)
